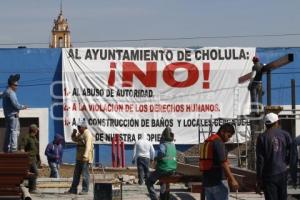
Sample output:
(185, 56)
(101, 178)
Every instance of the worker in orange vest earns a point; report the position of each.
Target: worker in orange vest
(214, 165)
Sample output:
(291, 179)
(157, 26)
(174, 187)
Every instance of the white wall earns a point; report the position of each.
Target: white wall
(287, 111)
(43, 116)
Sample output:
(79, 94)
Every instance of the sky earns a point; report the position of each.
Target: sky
(154, 23)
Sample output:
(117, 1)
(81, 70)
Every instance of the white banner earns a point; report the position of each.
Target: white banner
(131, 91)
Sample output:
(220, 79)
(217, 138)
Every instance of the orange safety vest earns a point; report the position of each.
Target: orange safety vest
(206, 153)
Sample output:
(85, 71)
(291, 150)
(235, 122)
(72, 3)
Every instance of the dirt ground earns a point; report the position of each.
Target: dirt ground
(66, 171)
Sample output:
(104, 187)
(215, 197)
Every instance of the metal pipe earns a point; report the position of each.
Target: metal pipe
(26, 194)
(97, 155)
(283, 118)
(290, 110)
(269, 83)
(118, 150)
(9, 197)
(293, 94)
(123, 153)
(293, 98)
(113, 157)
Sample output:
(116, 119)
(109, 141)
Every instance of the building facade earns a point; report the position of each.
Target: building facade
(40, 88)
(61, 35)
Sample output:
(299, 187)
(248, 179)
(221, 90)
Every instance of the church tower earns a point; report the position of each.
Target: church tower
(61, 36)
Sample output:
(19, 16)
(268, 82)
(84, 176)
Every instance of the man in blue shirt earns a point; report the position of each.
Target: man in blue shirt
(273, 152)
(54, 153)
(11, 108)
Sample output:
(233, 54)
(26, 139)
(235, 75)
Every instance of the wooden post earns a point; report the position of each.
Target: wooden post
(123, 153)
(269, 94)
(118, 150)
(97, 156)
(113, 156)
(293, 98)
(257, 127)
(202, 194)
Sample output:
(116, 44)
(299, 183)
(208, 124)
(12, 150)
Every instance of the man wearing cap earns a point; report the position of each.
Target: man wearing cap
(11, 108)
(215, 166)
(30, 144)
(272, 157)
(255, 84)
(84, 157)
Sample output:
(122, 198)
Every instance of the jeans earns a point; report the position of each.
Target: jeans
(154, 176)
(12, 132)
(255, 92)
(81, 167)
(275, 187)
(143, 169)
(217, 192)
(54, 169)
(32, 180)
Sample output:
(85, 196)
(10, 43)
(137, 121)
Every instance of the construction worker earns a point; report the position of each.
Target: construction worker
(214, 165)
(255, 84)
(29, 143)
(84, 157)
(166, 163)
(295, 160)
(143, 154)
(273, 149)
(11, 108)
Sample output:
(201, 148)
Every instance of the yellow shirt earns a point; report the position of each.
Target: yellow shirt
(85, 147)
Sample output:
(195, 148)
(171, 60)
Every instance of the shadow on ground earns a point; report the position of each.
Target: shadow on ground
(181, 195)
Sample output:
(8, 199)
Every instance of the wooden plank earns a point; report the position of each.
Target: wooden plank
(11, 181)
(245, 78)
(13, 170)
(245, 177)
(270, 66)
(179, 178)
(187, 169)
(196, 188)
(10, 191)
(248, 181)
(13, 155)
(278, 63)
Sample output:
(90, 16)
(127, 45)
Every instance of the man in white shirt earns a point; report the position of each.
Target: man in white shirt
(143, 153)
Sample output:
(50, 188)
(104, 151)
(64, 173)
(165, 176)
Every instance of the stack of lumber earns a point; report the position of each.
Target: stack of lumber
(13, 170)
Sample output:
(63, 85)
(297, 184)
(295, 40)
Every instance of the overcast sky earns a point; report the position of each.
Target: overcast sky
(274, 23)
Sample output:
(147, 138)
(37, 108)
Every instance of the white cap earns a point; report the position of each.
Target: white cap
(271, 118)
(82, 124)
